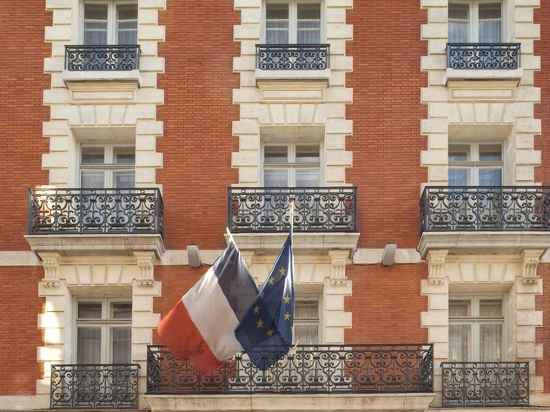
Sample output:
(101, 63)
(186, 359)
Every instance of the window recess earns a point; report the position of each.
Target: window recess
(109, 22)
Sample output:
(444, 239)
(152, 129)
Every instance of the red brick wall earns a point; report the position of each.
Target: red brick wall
(386, 111)
(386, 304)
(19, 334)
(543, 334)
(197, 142)
(542, 80)
(21, 114)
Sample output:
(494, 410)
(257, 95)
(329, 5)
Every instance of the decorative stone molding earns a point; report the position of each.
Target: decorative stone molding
(50, 263)
(530, 262)
(436, 263)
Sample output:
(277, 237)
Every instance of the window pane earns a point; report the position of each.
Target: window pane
(121, 310)
(127, 15)
(125, 155)
(458, 11)
(490, 152)
(459, 343)
(459, 153)
(459, 308)
(276, 178)
(307, 178)
(309, 23)
(277, 23)
(458, 177)
(306, 310)
(490, 343)
(95, 24)
(124, 179)
(88, 345)
(276, 154)
(490, 177)
(93, 155)
(306, 334)
(92, 179)
(127, 12)
(490, 23)
(490, 308)
(89, 311)
(458, 23)
(308, 154)
(95, 11)
(121, 345)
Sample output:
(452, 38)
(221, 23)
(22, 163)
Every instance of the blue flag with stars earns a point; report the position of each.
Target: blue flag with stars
(265, 333)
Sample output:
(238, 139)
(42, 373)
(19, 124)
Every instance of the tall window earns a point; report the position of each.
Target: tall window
(306, 322)
(292, 165)
(292, 22)
(103, 332)
(475, 164)
(110, 22)
(475, 22)
(107, 167)
(476, 328)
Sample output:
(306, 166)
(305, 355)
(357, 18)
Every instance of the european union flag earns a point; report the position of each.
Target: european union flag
(265, 332)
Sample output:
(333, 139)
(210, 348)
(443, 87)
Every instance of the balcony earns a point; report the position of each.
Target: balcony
(354, 371)
(485, 384)
(485, 217)
(102, 58)
(323, 216)
(484, 61)
(112, 219)
(94, 386)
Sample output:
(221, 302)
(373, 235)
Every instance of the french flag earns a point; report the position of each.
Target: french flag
(201, 326)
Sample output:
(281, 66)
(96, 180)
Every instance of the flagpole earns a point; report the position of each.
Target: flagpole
(292, 220)
(230, 236)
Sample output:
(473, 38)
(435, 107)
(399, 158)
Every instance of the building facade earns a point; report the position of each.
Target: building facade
(410, 136)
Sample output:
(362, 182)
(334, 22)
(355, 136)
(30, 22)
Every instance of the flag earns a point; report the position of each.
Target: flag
(201, 326)
(265, 333)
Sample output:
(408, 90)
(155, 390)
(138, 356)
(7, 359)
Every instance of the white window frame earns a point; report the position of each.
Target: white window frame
(474, 165)
(475, 321)
(291, 165)
(111, 17)
(293, 18)
(473, 18)
(109, 167)
(307, 322)
(106, 324)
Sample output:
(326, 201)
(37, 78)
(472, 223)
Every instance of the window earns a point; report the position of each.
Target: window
(475, 22)
(107, 167)
(292, 22)
(476, 329)
(110, 22)
(475, 164)
(306, 322)
(103, 332)
(292, 165)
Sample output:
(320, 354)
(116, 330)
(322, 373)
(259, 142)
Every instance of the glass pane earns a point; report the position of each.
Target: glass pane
(127, 24)
(277, 23)
(125, 155)
(458, 177)
(124, 179)
(306, 310)
(459, 11)
(307, 178)
(490, 22)
(490, 152)
(459, 343)
(459, 308)
(306, 334)
(459, 153)
(92, 179)
(95, 11)
(490, 308)
(127, 12)
(95, 24)
(121, 345)
(276, 178)
(308, 154)
(88, 345)
(458, 23)
(89, 311)
(309, 23)
(93, 155)
(490, 343)
(490, 177)
(121, 310)
(276, 154)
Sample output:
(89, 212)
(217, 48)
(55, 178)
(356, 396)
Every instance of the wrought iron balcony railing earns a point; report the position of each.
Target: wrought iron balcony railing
(447, 209)
(316, 210)
(95, 211)
(305, 370)
(292, 56)
(102, 58)
(483, 56)
(481, 384)
(94, 386)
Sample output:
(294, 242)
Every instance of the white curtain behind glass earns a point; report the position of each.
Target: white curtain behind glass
(95, 24)
(458, 23)
(490, 23)
(306, 323)
(121, 346)
(88, 345)
(309, 23)
(277, 23)
(127, 24)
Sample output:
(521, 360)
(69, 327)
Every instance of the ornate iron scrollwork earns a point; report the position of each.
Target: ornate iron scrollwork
(95, 211)
(267, 210)
(306, 369)
(447, 209)
(102, 58)
(483, 56)
(481, 384)
(94, 386)
(292, 56)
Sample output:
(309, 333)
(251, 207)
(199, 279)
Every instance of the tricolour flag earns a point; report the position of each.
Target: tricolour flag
(201, 326)
(265, 333)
